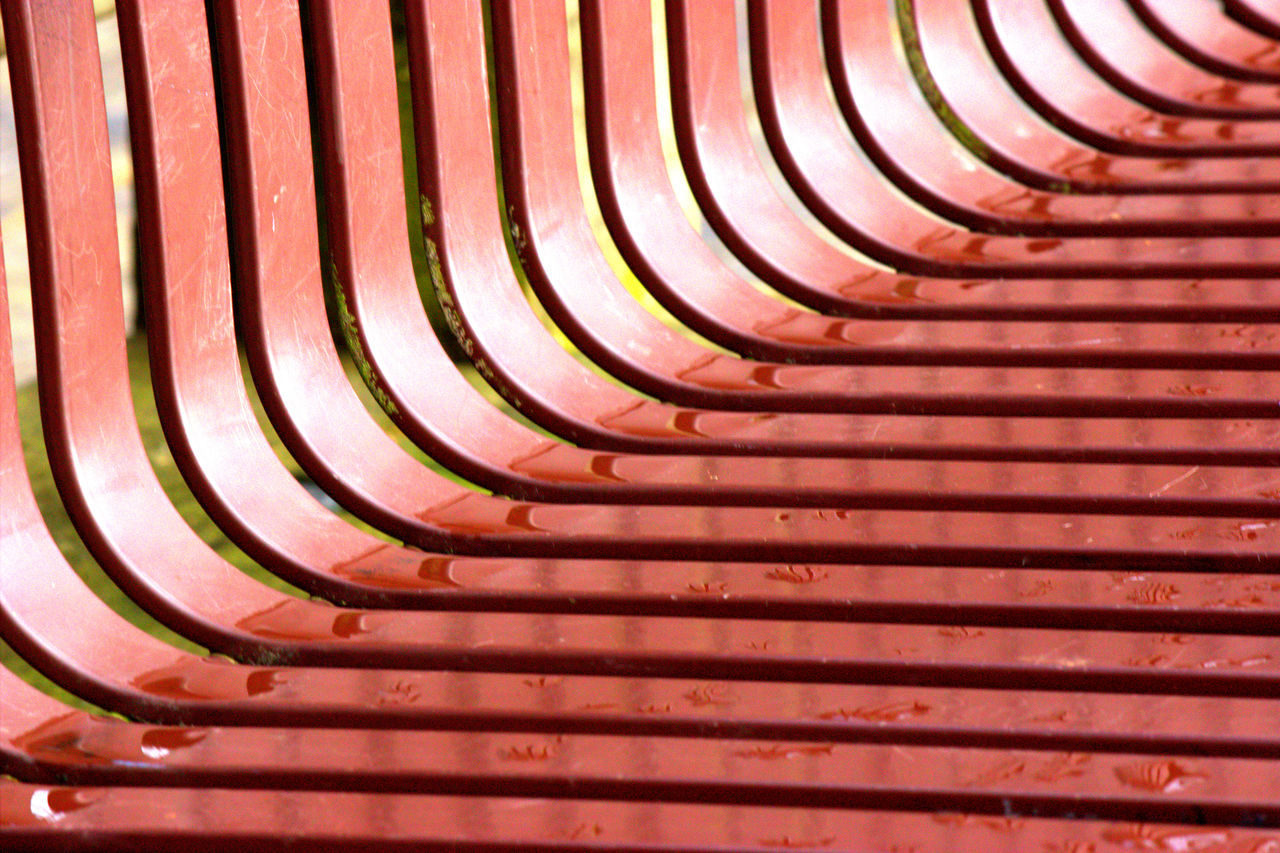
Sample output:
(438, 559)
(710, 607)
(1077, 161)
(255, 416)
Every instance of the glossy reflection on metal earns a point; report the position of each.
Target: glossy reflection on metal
(911, 143)
(85, 818)
(740, 202)
(1133, 61)
(1255, 14)
(1029, 599)
(824, 164)
(1210, 39)
(571, 278)
(1022, 144)
(1042, 66)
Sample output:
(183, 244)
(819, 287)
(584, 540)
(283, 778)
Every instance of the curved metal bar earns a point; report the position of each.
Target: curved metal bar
(141, 676)
(1136, 63)
(213, 434)
(1035, 58)
(909, 143)
(210, 427)
(1254, 14)
(297, 535)
(476, 279)
(1001, 671)
(460, 517)
(587, 301)
(822, 162)
(1020, 142)
(247, 619)
(624, 195)
(1204, 34)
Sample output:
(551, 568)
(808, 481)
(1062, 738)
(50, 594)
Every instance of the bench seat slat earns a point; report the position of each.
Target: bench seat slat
(76, 748)
(985, 615)
(1208, 37)
(1254, 14)
(821, 161)
(903, 134)
(258, 821)
(1061, 86)
(1136, 63)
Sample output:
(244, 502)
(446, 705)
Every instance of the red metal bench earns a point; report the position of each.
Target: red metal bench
(996, 566)
(891, 121)
(1135, 62)
(1255, 14)
(1018, 142)
(1205, 35)
(1039, 62)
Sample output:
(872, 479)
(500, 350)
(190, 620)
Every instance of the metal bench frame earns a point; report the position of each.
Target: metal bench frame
(988, 559)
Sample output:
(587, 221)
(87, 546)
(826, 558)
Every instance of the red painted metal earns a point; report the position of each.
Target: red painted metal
(1133, 61)
(1210, 39)
(1037, 60)
(662, 250)
(666, 429)
(60, 745)
(1072, 648)
(1023, 145)
(235, 474)
(391, 282)
(904, 137)
(571, 278)
(77, 819)
(820, 158)
(1255, 14)
(296, 548)
(139, 670)
(581, 294)
(586, 300)
(42, 739)
(130, 551)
